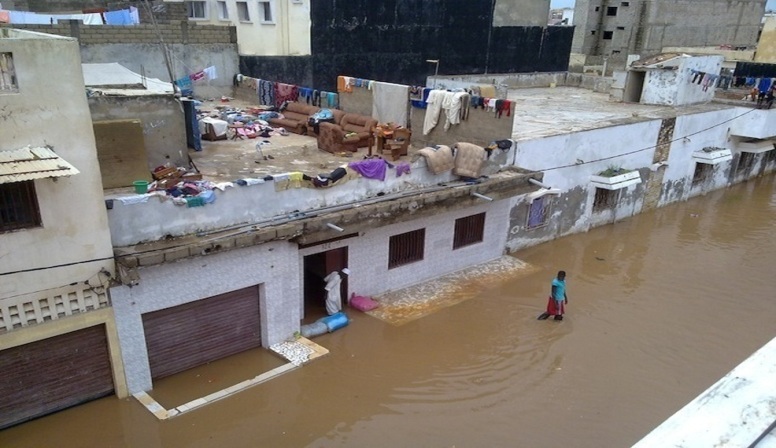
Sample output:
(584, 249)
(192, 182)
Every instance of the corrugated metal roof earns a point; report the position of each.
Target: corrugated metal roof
(32, 163)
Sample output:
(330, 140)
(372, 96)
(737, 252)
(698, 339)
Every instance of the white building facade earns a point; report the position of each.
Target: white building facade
(264, 27)
(56, 258)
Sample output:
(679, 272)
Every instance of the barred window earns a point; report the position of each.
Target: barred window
(406, 248)
(469, 230)
(18, 206)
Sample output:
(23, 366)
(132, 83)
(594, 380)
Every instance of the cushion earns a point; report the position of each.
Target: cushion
(362, 303)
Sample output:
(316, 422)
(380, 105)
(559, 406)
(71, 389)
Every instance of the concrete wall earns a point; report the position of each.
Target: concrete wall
(645, 27)
(568, 161)
(164, 128)
(134, 222)
(272, 265)
(75, 225)
(521, 13)
(481, 128)
(287, 35)
(192, 48)
(766, 47)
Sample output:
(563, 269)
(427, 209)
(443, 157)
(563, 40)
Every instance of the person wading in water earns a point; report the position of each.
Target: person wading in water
(558, 298)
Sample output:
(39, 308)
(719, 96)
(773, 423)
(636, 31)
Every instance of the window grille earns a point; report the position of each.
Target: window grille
(469, 230)
(406, 248)
(18, 206)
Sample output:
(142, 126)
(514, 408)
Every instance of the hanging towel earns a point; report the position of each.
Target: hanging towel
(488, 91)
(435, 98)
(370, 168)
(389, 103)
(5, 17)
(121, 17)
(185, 85)
(211, 73)
(344, 85)
(402, 168)
(503, 106)
(134, 15)
(266, 92)
(285, 92)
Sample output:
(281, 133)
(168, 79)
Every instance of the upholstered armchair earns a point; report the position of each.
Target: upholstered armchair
(353, 132)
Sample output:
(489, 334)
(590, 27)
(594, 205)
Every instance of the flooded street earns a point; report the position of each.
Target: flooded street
(661, 306)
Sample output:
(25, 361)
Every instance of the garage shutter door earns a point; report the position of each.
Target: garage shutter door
(53, 374)
(196, 333)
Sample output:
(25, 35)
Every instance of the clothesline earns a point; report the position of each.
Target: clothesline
(128, 16)
(272, 93)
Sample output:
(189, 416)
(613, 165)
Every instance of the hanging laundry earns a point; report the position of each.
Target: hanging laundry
(402, 168)
(184, 84)
(197, 76)
(333, 100)
(266, 92)
(452, 106)
(389, 103)
(121, 17)
(370, 168)
(211, 73)
(5, 17)
(134, 15)
(285, 92)
(306, 93)
(344, 84)
(435, 98)
(317, 98)
(503, 106)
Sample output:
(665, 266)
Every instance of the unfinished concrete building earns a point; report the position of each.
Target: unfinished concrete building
(612, 29)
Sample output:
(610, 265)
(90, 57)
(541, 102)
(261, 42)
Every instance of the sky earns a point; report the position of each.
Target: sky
(570, 3)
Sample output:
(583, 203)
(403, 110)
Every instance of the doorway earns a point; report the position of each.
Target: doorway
(316, 267)
(634, 85)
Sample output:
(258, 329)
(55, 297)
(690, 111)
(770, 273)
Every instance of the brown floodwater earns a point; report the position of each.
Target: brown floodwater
(662, 305)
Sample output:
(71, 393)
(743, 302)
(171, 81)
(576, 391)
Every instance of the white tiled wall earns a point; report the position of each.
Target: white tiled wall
(273, 265)
(368, 253)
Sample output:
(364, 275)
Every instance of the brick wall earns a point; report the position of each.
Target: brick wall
(172, 33)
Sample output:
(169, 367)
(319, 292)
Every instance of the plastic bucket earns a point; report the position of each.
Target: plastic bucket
(335, 321)
(141, 186)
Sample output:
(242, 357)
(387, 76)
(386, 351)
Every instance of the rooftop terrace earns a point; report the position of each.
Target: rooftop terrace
(544, 112)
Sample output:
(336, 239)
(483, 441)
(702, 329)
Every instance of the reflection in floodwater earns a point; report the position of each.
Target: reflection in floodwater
(661, 306)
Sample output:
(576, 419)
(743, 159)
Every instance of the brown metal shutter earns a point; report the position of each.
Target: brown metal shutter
(53, 374)
(196, 333)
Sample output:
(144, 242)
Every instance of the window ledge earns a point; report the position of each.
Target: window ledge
(616, 182)
(715, 157)
(756, 147)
